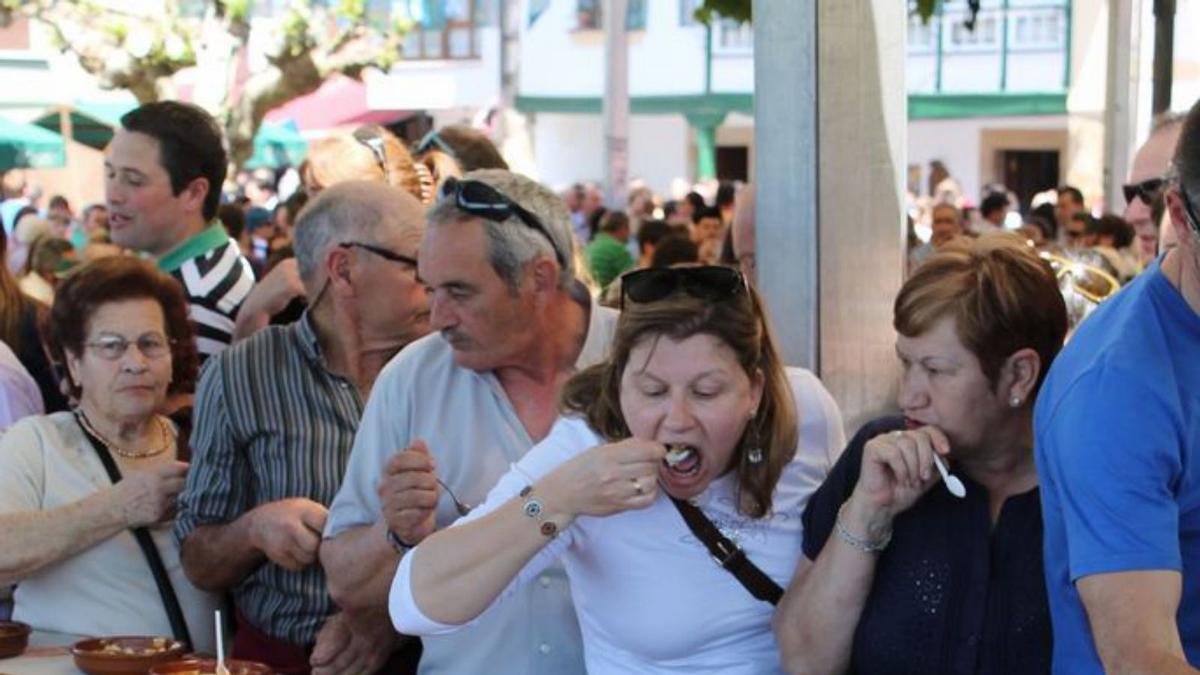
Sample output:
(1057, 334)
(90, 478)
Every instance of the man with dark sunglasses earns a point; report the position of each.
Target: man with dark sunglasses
(276, 416)
(1117, 442)
(1143, 191)
(458, 407)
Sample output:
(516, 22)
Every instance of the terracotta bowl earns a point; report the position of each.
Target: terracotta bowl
(124, 655)
(14, 637)
(193, 666)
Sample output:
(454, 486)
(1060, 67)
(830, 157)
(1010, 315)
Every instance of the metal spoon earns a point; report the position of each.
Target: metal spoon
(221, 669)
(953, 484)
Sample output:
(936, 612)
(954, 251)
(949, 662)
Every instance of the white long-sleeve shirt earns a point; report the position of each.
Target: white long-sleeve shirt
(649, 597)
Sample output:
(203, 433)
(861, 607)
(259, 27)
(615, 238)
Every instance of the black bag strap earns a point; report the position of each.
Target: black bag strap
(166, 591)
(728, 554)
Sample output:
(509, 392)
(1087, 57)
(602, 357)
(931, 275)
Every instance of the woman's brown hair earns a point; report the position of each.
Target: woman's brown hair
(114, 279)
(12, 302)
(1002, 296)
(738, 322)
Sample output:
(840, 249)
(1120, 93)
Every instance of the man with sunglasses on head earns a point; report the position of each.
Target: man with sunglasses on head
(1117, 442)
(452, 412)
(276, 416)
(1144, 207)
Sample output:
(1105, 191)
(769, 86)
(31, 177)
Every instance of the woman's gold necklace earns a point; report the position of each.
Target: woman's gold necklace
(129, 454)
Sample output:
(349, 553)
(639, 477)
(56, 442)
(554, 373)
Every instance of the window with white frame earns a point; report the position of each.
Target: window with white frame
(442, 29)
(589, 15)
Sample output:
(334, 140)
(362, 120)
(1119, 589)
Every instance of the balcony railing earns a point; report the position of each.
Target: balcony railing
(1015, 46)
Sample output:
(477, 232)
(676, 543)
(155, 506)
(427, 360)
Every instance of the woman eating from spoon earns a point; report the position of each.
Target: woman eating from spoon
(900, 575)
(692, 405)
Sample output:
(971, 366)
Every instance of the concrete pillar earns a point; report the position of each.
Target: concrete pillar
(1120, 97)
(785, 166)
(830, 170)
(863, 131)
(616, 104)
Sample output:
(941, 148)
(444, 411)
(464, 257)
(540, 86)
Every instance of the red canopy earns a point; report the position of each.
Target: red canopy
(341, 101)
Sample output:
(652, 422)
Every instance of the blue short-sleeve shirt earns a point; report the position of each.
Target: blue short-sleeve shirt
(1117, 437)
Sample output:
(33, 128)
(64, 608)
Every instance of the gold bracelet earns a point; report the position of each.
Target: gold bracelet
(864, 545)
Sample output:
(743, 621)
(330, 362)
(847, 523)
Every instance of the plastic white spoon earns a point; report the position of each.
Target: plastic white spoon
(953, 484)
(221, 669)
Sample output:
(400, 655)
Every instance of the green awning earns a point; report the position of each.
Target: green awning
(93, 124)
(29, 146)
(277, 145)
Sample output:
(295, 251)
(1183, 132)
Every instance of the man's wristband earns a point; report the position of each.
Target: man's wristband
(398, 544)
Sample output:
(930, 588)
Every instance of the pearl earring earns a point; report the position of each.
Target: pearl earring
(1015, 401)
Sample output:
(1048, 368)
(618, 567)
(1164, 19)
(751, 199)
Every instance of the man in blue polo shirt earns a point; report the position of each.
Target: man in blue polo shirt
(1117, 441)
(164, 172)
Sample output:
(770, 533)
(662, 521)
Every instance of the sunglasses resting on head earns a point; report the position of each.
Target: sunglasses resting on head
(484, 201)
(707, 282)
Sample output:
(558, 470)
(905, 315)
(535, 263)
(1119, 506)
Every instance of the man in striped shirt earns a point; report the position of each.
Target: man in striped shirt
(276, 416)
(164, 172)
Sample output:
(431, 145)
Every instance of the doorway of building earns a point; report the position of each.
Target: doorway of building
(733, 162)
(1028, 172)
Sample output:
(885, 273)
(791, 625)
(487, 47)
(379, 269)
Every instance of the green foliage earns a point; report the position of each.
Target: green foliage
(117, 28)
(740, 10)
(354, 11)
(927, 8)
(238, 11)
(736, 10)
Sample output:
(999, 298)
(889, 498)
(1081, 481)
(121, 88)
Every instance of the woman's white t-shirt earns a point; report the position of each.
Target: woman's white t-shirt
(649, 597)
(108, 589)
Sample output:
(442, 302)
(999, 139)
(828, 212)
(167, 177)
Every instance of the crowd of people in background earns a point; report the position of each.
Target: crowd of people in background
(403, 409)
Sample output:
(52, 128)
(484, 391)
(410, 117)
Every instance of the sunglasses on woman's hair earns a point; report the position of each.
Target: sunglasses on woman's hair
(484, 201)
(1149, 190)
(430, 140)
(710, 282)
(374, 142)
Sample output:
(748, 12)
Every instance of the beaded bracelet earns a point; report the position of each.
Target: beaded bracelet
(864, 545)
(533, 508)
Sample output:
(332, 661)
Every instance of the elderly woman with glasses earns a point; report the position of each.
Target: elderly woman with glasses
(682, 447)
(87, 496)
(902, 573)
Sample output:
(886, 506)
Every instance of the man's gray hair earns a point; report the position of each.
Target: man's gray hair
(350, 211)
(512, 244)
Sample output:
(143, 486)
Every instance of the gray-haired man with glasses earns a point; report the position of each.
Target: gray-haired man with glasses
(458, 407)
(276, 416)
(1117, 441)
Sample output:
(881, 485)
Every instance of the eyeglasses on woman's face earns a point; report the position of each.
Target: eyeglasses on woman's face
(113, 347)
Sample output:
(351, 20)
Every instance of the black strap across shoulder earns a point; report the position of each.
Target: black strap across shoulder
(179, 626)
(728, 554)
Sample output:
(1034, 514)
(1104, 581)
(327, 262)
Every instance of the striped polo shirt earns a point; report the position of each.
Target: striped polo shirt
(272, 423)
(216, 278)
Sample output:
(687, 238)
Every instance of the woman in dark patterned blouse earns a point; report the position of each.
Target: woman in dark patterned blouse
(899, 575)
